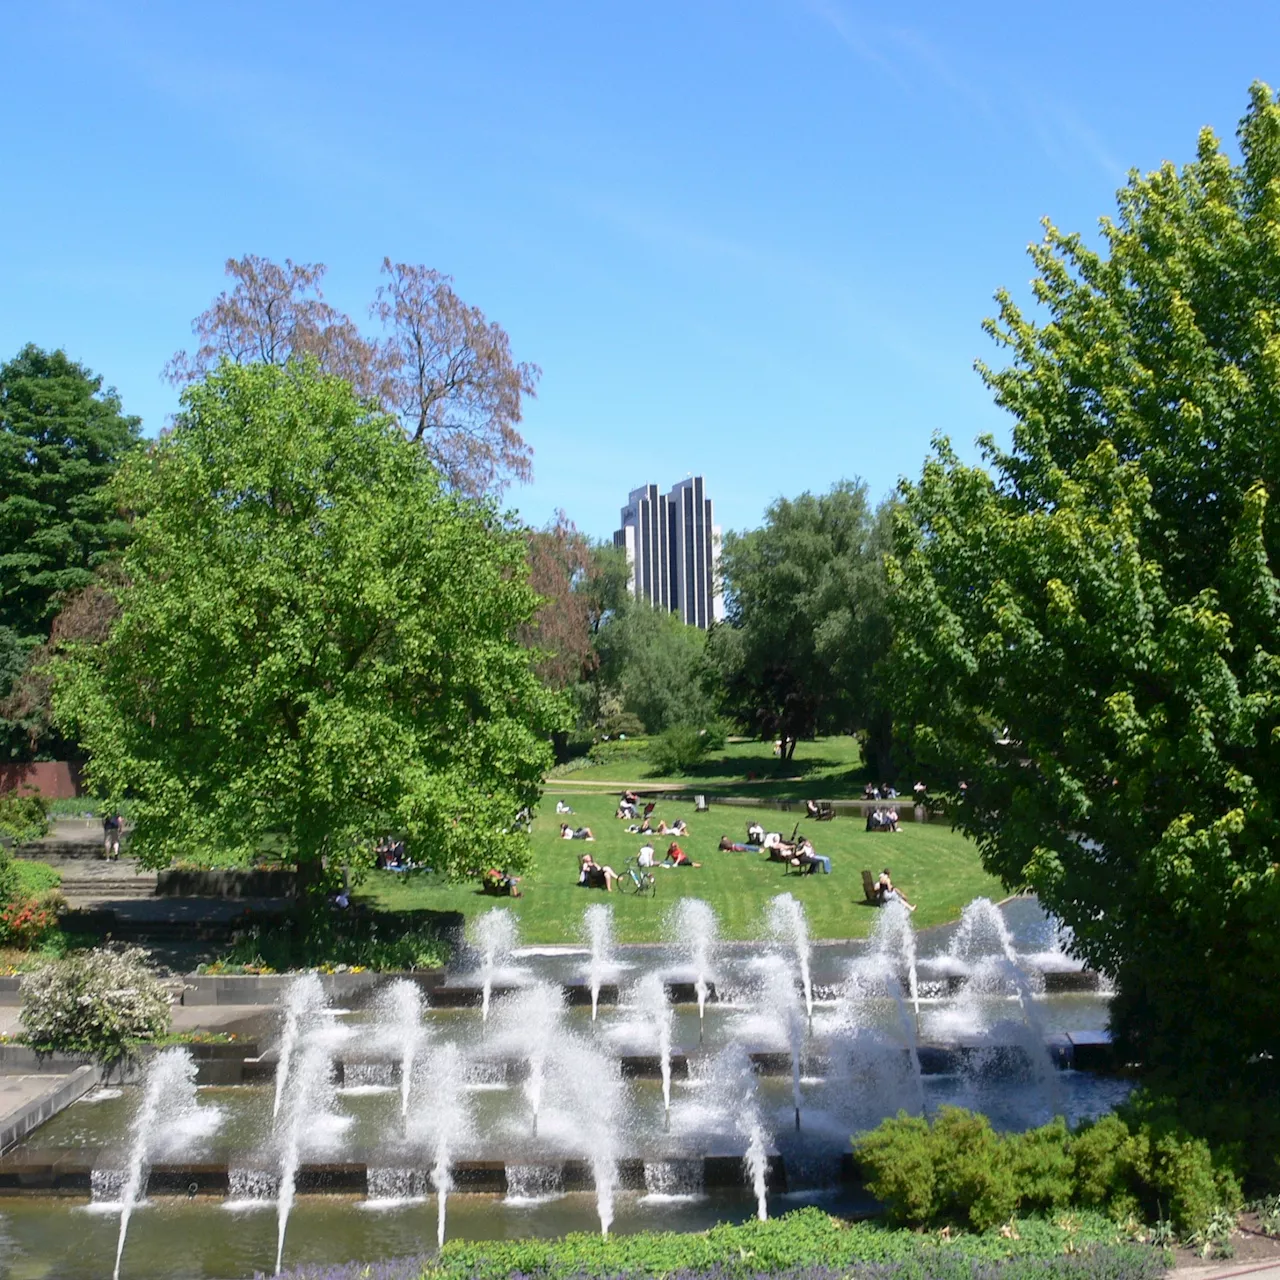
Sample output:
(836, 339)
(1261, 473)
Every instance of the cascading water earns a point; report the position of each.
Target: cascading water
(496, 936)
(399, 1018)
(307, 1119)
(441, 1122)
(588, 1086)
(780, 1001)
(651, 997)
(598, 923)
(305, 999)
(893, 938)
(732, 1083)
(168, 1103)
(788, 924)
(528, 1025)
(692, 925)
(982, 932)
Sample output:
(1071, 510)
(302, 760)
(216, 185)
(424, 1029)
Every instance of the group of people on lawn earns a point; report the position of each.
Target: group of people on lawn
(799, 852)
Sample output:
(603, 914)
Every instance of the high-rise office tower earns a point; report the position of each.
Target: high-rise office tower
(673, 550)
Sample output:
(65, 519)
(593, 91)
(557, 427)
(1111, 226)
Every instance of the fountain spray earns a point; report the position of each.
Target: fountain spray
(309, 1100)
(496, 936)
(692, 924)
(598, 920)
(305, 998)
(450, 1124)
(530, 1023)
(400, 1021)
(651, 996)
(168, 1096)
(733, 1082)
(782, 1003)
(788, 924)
(893, 940)
(588, 1087)
(982, 932)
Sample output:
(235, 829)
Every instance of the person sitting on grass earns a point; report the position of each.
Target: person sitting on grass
(571, 833)
(755, 833)
(645, 857)
(563, 807)
(499, 883)
(889, 893)
(676, 857)
(625, 810)
(591, 875)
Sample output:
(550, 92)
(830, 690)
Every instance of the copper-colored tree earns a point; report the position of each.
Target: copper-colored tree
(440, 366)
(559, 556)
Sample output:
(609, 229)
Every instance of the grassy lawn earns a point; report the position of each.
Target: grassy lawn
(826, 769)
(936, 868)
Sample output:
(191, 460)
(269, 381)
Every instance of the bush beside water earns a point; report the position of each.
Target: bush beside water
(956, 1170)
(805, 1245)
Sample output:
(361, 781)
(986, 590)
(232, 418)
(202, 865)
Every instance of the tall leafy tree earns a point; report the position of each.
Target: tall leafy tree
(806, 617)
(1089, 634)
(316, 639)
(438, 364)
(62, 436)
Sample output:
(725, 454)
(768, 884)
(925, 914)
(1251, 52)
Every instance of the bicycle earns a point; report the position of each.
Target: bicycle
(638, 880)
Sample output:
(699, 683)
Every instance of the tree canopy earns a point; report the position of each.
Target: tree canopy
(439, 366)
(806, 617)
(1088, 634)
(62, 436)
(316, 640)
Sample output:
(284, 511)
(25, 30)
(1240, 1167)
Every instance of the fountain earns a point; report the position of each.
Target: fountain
(651, 997)
(524, 1094)
(168, 1104)
(496, 937)
(780, 1001)
(442, 1121)
(528, 1024)
(598, 923)
(692, 925)
(787, 923)
(305, 999)
(307, 1120)
(399, 1011)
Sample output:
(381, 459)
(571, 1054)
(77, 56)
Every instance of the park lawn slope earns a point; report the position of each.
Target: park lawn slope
(937, 868)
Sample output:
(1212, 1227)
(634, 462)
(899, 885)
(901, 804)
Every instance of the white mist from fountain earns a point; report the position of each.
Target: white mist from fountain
(894, 940)
(168, 1103)
(731, 1082)
(307, 1119)
(496, 936)
(304, 1001)
(780, 1001)
(651, 997)
(1035, 1044)
(441, 1122)
(598, 923)
(398, 1017)
(788, 924)
(528, 1024)
(588, 1088)
(982, 932)
(693, 927)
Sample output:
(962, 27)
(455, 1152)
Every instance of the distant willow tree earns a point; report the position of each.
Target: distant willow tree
(437, 364)
(317, 641)
(1089, 632)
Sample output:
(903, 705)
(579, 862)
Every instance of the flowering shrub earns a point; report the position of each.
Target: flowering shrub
(97, 1002)
(27, 922)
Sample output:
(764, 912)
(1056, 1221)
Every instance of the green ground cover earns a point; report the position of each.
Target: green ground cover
(827, 768)
(937, 868)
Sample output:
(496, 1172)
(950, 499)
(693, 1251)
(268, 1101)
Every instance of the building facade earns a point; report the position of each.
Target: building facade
(673, 550)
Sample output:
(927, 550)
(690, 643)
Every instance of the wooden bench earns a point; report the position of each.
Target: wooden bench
(871, 889)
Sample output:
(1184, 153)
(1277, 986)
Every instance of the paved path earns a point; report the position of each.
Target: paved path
(1224, 1270)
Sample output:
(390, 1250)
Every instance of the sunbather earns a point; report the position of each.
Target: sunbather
(676, 857)
(591, 875)
(888, 892)
(731, 846)
(755, 833)
(575, 833)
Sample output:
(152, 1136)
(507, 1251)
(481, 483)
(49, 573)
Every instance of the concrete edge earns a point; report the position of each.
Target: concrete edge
(61, 1094)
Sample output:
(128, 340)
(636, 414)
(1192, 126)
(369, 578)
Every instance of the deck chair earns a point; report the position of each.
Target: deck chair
(825, 811)
(871, 889)
(649, 808)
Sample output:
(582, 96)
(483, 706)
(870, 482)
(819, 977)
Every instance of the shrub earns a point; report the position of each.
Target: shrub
(958, 1170)
(28, 922)
(678, 749)
(96, 1002)
(24, 815)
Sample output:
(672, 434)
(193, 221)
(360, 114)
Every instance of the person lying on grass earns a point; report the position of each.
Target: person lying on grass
(570, 833)
(732, 846)
(678, 828)
(591, 875)
(676, 857)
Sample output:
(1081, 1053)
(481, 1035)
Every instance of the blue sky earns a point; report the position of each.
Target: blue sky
(754, 240)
